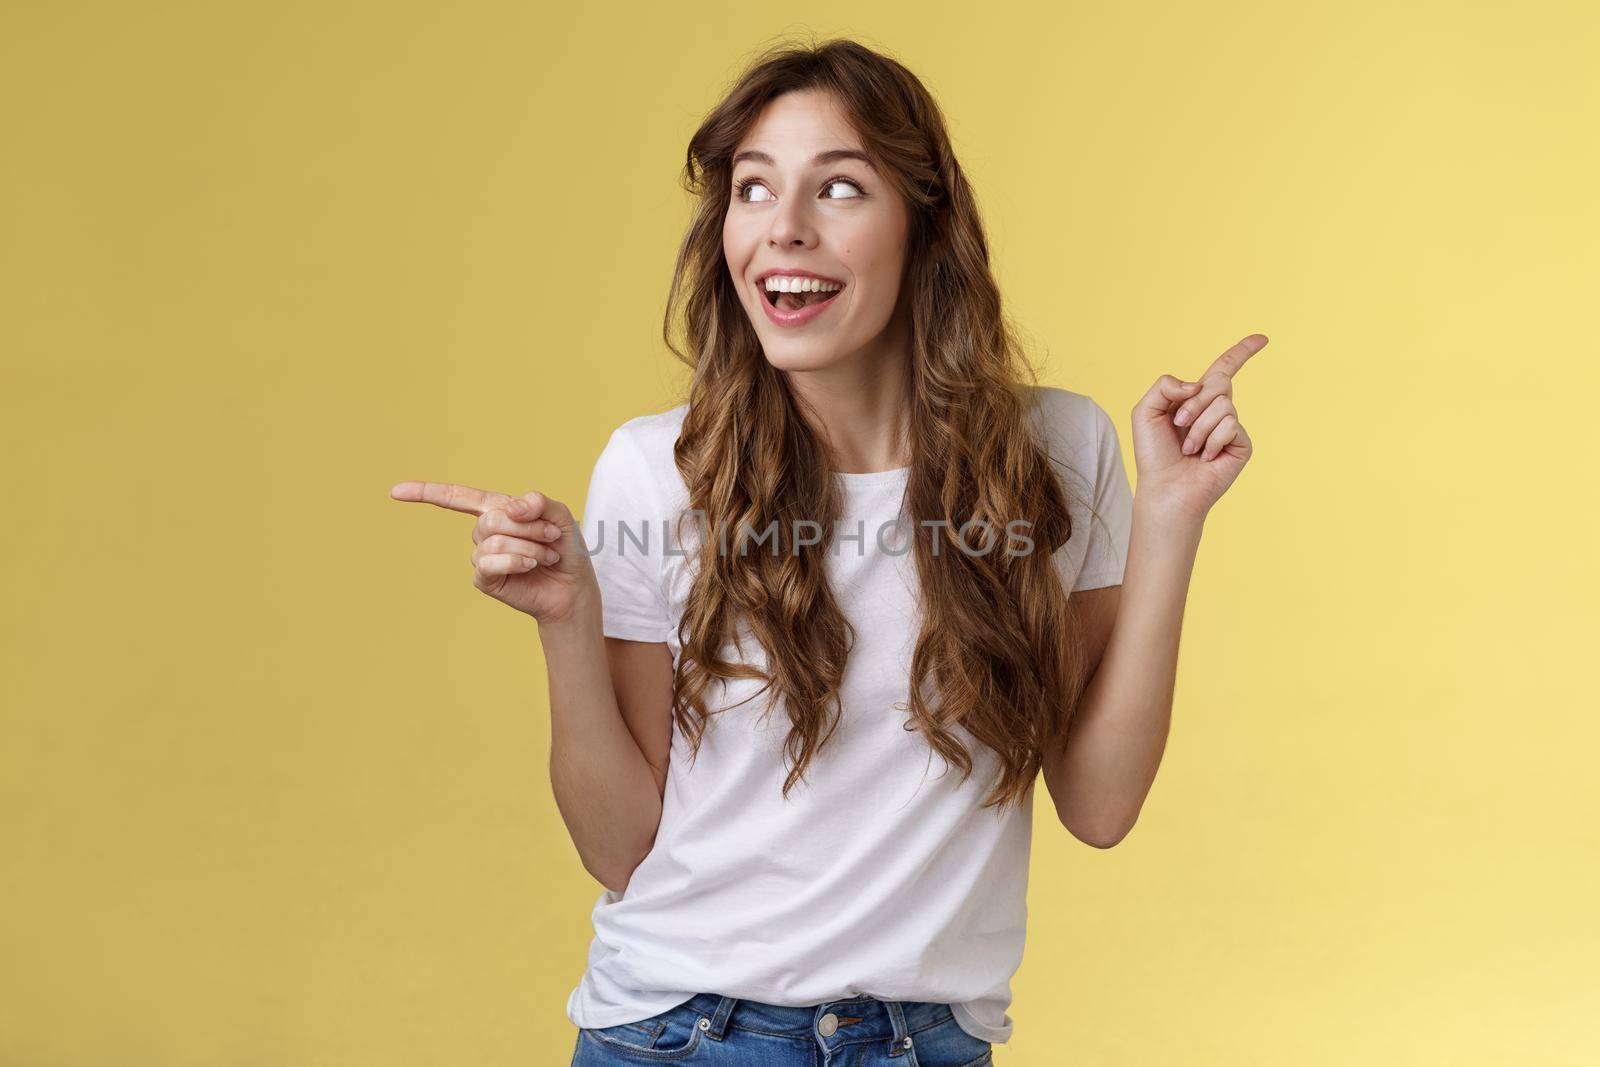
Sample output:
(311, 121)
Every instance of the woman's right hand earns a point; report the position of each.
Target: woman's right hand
(529, 552)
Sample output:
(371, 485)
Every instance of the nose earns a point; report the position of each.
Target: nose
(792, 226)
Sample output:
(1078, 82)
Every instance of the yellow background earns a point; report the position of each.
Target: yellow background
(275, 782)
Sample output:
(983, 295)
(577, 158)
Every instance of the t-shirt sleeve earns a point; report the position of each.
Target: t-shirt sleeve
(1112, 521)
(623, 529)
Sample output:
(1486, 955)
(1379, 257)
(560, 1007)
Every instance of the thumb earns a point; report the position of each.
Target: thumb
(1164, 395)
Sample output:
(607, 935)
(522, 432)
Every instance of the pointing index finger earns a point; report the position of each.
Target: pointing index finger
(461, 498)
(1230, 361)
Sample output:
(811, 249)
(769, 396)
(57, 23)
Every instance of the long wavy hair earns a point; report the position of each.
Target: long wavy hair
(998, 654)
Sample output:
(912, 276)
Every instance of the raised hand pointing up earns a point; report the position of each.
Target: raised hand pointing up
(1188, 442)
(529, 550)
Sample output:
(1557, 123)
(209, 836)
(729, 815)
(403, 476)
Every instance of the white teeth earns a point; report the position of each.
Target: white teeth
(780, 283)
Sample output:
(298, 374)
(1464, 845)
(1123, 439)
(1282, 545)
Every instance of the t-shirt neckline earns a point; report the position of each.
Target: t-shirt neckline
(866, 478)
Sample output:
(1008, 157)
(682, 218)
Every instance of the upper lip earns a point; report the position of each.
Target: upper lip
(794, 272)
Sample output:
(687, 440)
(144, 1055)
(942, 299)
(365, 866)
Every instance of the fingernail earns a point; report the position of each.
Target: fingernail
(1189, 447)
(1182, 418)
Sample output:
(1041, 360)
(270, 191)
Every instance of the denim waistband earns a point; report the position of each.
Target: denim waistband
(861, 1018)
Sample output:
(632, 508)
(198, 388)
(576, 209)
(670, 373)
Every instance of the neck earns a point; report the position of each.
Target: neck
(860, 407)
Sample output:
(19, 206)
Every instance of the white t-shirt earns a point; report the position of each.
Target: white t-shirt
(879, 874)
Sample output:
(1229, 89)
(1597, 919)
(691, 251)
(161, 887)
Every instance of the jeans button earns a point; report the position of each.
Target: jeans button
(828, 1024)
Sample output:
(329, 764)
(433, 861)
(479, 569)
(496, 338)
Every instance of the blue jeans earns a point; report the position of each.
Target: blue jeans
(712, 1029)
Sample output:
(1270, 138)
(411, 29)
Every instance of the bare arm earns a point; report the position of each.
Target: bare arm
(1190, 447)
(1100, 778)
(610, 700)
(610, 735)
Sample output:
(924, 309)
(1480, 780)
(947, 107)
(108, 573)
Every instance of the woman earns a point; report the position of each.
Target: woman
(867, 539)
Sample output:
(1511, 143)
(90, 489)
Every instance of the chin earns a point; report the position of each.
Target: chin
(801, 357)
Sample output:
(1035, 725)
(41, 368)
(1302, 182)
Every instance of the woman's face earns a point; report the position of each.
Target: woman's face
(804, 199)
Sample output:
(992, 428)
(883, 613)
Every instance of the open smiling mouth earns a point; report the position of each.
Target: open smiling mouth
(796, 301)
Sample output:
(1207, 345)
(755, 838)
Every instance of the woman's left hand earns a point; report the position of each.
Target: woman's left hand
(1188, 442)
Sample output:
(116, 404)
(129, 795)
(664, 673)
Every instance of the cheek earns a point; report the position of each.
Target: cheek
(872, 251)
(736, 245)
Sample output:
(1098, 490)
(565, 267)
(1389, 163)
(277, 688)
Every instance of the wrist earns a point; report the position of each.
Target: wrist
(582, 621)
(1166, 514)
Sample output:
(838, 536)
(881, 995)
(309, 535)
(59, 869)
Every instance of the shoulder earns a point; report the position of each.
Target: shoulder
(641, 450)
(654, 431)
(649, 438)
(1075, 427)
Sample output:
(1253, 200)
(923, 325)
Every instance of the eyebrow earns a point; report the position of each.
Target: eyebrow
(832, 155)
